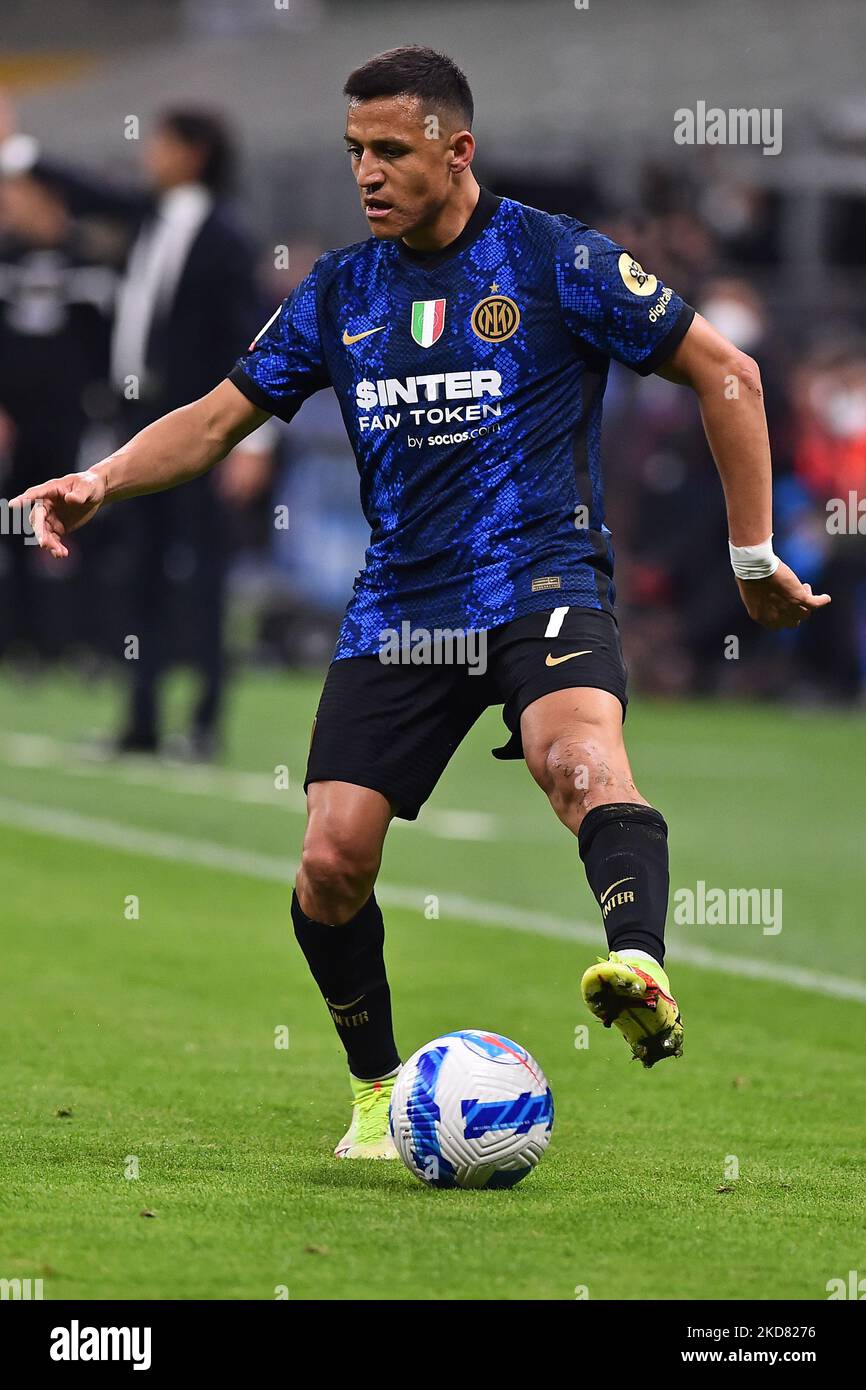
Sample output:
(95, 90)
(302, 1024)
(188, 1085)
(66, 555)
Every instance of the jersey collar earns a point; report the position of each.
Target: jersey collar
(482, 214)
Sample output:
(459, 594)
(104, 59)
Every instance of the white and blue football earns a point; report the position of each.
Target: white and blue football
(471, 1109)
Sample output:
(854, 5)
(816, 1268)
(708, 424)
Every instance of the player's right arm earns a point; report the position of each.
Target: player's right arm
(173, 450)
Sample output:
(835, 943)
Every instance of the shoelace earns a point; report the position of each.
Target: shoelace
(372, 1108)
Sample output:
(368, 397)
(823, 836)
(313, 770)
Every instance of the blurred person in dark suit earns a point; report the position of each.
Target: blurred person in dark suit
(55, 308)
(186, 306)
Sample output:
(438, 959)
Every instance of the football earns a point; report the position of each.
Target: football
(471, 1109)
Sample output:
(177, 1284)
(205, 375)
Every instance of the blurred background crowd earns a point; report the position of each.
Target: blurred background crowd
(169, 173)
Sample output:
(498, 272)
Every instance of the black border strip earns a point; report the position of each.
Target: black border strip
(253, 392)
(669, 343)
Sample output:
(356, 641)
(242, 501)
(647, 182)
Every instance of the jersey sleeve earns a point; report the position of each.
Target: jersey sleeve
(285, 363)
(614, 306)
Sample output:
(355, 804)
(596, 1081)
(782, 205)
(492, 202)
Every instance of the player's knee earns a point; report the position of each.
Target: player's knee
(336, 878)
(579, 769)
(568, 764)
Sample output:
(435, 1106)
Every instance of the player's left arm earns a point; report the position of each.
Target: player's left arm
(727, 384)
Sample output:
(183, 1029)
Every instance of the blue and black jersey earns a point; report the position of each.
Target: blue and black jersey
(471, 381)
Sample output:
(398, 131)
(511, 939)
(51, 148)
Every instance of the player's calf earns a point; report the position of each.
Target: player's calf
(348, 964)
(574, 747)
(625, 853)
(339, 927)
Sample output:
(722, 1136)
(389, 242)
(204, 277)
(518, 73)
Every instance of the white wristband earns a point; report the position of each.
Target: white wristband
(754, 561)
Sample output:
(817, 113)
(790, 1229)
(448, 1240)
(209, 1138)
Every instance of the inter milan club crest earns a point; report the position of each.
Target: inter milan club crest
(495, 318)
(428, 320)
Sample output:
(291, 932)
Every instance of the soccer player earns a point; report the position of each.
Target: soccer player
(468, 340)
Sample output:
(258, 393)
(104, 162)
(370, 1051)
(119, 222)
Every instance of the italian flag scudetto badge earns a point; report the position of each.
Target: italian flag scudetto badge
(428, 320)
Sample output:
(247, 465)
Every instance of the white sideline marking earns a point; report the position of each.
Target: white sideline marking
(155, 844)
(252, 788)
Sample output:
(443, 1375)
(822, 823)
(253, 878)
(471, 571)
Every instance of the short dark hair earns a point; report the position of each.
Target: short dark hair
(414, 71)
(208, 133)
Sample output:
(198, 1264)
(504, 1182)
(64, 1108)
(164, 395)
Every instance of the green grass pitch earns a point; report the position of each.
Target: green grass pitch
(146, 1043)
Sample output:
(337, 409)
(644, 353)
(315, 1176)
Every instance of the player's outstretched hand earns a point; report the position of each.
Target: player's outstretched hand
(60, 506)
(780, 601)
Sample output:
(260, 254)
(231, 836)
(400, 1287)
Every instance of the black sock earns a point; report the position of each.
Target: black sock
(348, 965)
(624, 848)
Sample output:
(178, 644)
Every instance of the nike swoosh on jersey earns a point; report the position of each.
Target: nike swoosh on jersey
(349, 338)
(557, 660)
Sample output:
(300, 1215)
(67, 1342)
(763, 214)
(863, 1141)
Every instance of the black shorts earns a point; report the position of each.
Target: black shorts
(394, 727)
